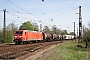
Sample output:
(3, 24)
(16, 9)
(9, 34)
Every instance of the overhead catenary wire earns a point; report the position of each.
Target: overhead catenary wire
(37, 17)
(19, 16)
(23, 9)
(58, 5)
(8, 7)
(53, 7)
(39, 12)
(30, 13)
(65, 12)
(1, 10)
(34, 8)
(62, 13)
(70, 4)
(30, 5)
(1, 17)
(44, 11)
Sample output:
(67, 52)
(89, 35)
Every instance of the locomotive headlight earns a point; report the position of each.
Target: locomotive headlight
(20, 36)
(15, 37)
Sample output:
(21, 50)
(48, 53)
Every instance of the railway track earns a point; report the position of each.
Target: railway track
(22, 51)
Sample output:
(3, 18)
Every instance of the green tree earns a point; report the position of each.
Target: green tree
(86, 35)
(64, 32)
(9, 32)
(27, 26)
(36, 27)
(9, 36)
(86, 38)
(58, 31)
(71, 33)
(46, 29)
(54, 29)
(1, 36)
(11, 27)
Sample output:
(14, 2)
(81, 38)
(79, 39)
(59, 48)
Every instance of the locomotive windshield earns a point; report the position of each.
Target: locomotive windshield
(18, 32)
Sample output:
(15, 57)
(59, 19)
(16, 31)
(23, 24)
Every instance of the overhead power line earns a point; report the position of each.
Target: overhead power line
(18, 6)
(65, 12)
(1, 10)
(31, 6)
(70, 4)
(58, 5)
(18, 16)
(23, 9)
(53, 7)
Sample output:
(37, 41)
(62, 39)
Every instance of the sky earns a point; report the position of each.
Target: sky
(61, 13)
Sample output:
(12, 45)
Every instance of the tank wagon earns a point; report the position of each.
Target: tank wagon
(25, 36)
(48, 36)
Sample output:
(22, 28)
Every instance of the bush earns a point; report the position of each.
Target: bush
(1, 37)
(9, 36)
(86, 37)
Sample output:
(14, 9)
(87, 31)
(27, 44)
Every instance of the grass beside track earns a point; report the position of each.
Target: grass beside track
(68, 51)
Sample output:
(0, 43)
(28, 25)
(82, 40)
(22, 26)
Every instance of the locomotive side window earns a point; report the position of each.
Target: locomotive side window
(25, 33)
(18, 32)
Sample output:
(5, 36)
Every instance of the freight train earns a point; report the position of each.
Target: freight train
(26, 36)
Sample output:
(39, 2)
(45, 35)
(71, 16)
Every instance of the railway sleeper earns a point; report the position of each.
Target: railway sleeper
(13, 55)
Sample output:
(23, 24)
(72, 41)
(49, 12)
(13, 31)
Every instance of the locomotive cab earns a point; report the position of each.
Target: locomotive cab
(18, 36)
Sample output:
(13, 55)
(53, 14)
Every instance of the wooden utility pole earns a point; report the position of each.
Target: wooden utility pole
(80, 24)
(4, 29)
(74, 31)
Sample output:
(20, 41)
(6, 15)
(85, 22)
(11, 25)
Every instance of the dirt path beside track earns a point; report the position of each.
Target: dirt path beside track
(39, 54)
